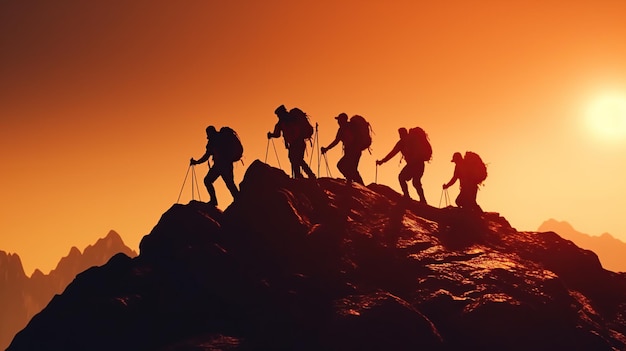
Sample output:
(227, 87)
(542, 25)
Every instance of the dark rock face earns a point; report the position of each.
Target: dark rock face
(22, 297)
(320, 265)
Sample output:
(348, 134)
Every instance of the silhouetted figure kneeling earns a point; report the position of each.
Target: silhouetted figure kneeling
(355, 136)
(226, 148)
(295, 128)
(471, 172)
(415, 149)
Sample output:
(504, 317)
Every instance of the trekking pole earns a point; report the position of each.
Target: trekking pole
(441, 197)
(376, 176)
(319, 157)
(184, 181)
(193, 181)
(276, 153)
(328, 174)
(267, 149)
(445, 196)
(195, 177)
(313, 145)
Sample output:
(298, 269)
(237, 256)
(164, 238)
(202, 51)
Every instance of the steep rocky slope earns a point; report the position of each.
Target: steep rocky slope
(321, 265)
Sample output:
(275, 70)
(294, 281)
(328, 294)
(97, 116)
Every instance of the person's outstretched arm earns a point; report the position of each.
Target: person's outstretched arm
(202, 159)
(455, 176)
(275, 133)
(333, 144)
(391, 154)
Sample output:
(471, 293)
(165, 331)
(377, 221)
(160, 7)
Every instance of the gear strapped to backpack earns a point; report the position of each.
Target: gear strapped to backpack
(417, 147)
(474, 168)
(296, 126)
(360, 137)
(229, 144)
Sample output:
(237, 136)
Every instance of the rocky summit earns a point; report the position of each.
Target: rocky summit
(325, 265)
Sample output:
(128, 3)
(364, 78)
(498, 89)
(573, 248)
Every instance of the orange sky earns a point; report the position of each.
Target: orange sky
(102, 103)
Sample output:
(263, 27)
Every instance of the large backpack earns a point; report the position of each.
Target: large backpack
(230, 146)
(474, 168)
(417, 146)
(360, 137)
(296, 126)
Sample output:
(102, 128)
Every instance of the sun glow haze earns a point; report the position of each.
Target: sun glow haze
(606, 116)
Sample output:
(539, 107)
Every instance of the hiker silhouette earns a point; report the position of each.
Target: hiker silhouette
(295, 129)
(411, 147)
(352, 149)
(468, 183)
(226, 149)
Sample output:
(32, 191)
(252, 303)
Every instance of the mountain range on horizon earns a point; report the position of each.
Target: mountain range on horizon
(21, 296)
(299, 264)
(610, 250)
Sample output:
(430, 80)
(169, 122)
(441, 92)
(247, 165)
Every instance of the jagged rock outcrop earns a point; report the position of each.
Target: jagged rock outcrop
(610, 250)
(321, 265)
(21, 297)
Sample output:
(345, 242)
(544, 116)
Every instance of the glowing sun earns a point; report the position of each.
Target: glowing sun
(606, 116)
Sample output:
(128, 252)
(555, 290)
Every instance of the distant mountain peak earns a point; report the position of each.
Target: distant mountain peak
(21, 297)
(609, 249)
(111, 242)
(37, 273)
(113, 237)
(609, 237)
(11, 264)
(553, 223)
(74, 251)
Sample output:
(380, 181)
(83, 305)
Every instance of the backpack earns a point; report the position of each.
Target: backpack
(474, 168)
(296, 126)
(360, 137)
(230, 145)
(417, 147)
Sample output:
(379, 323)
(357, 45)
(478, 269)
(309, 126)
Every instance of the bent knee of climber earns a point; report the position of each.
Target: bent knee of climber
(417, 182)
